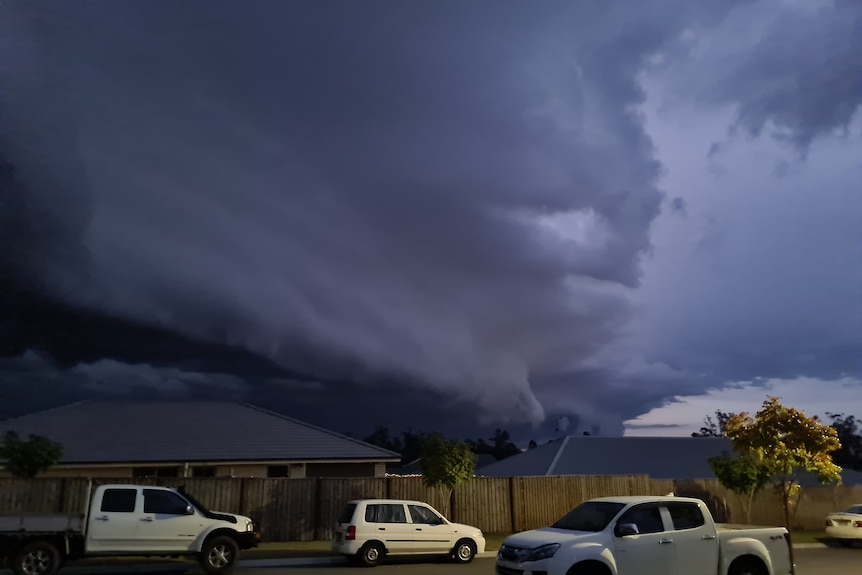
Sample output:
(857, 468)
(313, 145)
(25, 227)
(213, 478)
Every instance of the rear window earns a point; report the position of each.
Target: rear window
(686, 515)
(385, 513)
(119, 500)
(346, 515)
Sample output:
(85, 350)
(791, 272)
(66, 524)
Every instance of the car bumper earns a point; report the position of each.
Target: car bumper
(248, 539)
(527, 568)
(844, 531)
(346, 547)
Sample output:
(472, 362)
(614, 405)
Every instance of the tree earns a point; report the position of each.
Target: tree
(500, 447)
(28, 458)
(786, 442)
(849, 455)
(744, 475)
(446, 463)
(716, 428)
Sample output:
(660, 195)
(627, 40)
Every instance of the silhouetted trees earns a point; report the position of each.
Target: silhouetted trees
(714, 428)
(849, 456)
(410, 443)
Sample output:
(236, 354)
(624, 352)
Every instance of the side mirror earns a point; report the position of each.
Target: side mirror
(190, 510)
(624, 529)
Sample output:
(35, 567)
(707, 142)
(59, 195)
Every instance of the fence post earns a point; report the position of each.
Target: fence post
(512, 503)
(318, 527)
(242, 497)
(61, 497)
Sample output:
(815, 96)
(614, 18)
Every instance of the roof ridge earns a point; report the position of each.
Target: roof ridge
(559, 454)
(315, 427)
(41, 411)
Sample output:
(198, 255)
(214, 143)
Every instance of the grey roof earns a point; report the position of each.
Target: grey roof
(186, 431)
(658, 457)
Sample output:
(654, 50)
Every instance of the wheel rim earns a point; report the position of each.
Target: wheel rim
(465, 551)
(220, 556)
(36, 562)
(372, 554)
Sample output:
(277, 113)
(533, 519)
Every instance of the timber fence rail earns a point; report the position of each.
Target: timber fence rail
(305, 509)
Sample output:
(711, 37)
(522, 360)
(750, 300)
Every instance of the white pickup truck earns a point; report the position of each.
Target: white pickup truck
(120, 520)
(645, 536)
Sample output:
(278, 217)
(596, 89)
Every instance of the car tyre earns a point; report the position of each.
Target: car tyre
(219, 555)
(371, 554)
(464, 552)
(746, 568)
(37, 558)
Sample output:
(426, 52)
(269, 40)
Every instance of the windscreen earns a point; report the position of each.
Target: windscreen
(590, 516)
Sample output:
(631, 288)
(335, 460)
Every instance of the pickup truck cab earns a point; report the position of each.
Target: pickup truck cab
(645, 536)
(123, 520)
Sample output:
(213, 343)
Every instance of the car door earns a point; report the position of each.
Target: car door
(113, 522)
(165, 524)
(651, 550)
(694, 541)
(433, 534)
(388, 522)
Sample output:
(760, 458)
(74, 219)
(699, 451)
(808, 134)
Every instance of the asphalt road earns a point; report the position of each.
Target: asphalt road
(821, 561)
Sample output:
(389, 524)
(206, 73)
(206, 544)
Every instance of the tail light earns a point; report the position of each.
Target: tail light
(828, 523)
(351, 533)
(857, 523)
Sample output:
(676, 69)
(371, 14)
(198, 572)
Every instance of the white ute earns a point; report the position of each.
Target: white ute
(645, 536)
(126, 520)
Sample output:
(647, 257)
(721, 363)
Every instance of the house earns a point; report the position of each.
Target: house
(679, 458)
(125, 439)
(415, 466)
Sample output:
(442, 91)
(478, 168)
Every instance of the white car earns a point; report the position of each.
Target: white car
(367, 530)
(845, 526)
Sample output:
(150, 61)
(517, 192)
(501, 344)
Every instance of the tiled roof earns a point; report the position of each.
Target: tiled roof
(186, 431)
(658, 457)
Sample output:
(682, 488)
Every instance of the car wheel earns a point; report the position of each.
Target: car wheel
(746, 568)
(37, 558)
(219, 555)
(465, 551)
(371, 554)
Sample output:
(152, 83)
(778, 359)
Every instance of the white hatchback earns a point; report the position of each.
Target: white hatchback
(369, 529)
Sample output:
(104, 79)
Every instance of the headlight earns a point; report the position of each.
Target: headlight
(543, 552)
(249, 526)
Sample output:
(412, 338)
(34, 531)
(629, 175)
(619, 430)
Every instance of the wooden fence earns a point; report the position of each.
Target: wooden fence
(305, 509)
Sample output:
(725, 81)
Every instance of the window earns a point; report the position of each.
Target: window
(590, 516)
(347, 513)
(155, 472)
(685, 515)
(119, 500)
(203, 471)
(165, 502)
(278, 471)
(385, 513)
(422, 514)
(647, 519)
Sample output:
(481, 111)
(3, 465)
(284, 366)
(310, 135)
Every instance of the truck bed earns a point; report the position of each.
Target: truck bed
(41, 523)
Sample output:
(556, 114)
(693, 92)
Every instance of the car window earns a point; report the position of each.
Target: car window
(165, 502)
(647, 519)
(590, 516)
(346, 515)
(385, 513)
(686, 515)
(854, 509)
(119, 500)
(422, 514)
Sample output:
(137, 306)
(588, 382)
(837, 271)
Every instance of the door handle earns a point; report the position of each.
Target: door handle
(418, 529)
(146, 518)
(381, 529)
(707, 537)
(102, 518)
(665, 541)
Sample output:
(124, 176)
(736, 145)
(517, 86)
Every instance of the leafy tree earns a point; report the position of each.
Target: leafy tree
(744, 475)
(446, 463)
(500, 447)
(28, 458)
(786, 442)
(849, 455)
(714, 428)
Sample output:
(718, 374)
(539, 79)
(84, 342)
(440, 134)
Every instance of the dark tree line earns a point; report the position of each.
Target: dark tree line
(410, 443)
(849, 456)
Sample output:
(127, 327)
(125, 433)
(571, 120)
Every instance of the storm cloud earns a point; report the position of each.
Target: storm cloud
(454, 198)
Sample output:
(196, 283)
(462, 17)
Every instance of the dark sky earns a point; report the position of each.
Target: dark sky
(448, 215)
